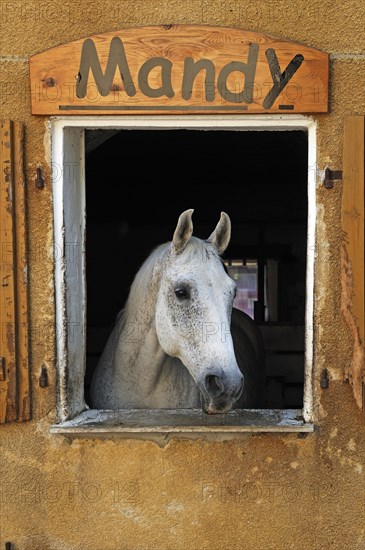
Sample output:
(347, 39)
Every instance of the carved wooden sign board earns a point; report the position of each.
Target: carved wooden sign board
(179, 69)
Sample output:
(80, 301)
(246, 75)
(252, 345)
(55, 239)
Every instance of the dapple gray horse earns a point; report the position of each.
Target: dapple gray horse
(178, 343)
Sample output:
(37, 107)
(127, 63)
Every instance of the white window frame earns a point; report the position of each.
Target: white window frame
(68, 162)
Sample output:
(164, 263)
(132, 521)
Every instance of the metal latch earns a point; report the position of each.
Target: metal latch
(330, 176)
(43, 379)
(39, 180)
(324, 379)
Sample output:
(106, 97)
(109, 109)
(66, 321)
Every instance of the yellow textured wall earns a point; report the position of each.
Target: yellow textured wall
(262, 492)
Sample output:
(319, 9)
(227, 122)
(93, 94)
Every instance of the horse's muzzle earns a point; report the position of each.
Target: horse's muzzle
(220, 392)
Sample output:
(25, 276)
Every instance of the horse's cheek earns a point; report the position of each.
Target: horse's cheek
(165, 332)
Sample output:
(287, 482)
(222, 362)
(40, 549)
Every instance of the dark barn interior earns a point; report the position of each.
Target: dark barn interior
(137, 184)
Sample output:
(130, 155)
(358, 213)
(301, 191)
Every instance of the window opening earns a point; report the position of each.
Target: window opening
(258, 178)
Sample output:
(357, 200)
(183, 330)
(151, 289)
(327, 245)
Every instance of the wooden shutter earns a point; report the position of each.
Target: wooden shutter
(353, 257)
(14, 363)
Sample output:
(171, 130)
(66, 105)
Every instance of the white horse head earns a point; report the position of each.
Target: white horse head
(172, 344)
(193, 312)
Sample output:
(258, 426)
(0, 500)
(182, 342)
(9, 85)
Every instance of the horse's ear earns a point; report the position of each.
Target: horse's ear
(221, 234)
(183, 231)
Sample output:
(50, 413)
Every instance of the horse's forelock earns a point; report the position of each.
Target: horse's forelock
(204, 249)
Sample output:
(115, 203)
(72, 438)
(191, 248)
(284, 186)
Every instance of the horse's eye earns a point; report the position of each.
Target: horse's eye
(182, 293)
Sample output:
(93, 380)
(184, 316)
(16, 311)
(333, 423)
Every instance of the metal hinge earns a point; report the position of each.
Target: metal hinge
(330, 176)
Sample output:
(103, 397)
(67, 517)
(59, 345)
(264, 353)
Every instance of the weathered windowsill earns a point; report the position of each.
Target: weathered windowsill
(182, 421)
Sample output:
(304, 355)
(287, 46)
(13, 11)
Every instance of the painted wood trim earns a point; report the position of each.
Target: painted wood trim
(60, 157)
(353, 253)
(75, 275)
(8, 384)
(21, 268)
(182, 421)
(14, 377)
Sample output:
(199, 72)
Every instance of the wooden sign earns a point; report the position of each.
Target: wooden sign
(179, 69)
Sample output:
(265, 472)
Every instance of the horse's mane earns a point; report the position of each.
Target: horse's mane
(150, 273)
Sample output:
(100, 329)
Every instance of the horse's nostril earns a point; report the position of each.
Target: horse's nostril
(214, 385)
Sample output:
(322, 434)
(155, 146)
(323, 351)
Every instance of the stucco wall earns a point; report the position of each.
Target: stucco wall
(260, 492)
